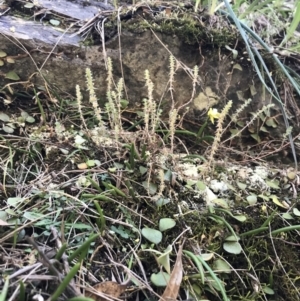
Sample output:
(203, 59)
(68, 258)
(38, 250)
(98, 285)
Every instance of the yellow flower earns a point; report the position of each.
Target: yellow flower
(213, 114)
(264, 208)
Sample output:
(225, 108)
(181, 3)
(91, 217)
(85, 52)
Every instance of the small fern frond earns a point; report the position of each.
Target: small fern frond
(79, 101)
(219, 131)
(235, 116)
(146, 114)
(109, 74)
(172, 72)
(92, 95)
(172, 127)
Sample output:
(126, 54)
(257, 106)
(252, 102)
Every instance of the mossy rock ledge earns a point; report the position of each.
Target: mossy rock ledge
(147, 39)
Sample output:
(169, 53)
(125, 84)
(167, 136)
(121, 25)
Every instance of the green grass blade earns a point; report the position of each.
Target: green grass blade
(197, 263)
(290, 31)
(65, 282)
(132, 156)
(225, 223)
(22, 296)
(40, 107)
(94, 184)
(83, 248)
(117, 190)
(286, 229)
(101, 220)
(61, 251)
(253, 232)
(4, 290)
(212, 274)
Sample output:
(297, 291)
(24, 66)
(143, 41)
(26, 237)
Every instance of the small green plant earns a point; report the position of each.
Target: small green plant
(4, 291)
(14, 122)
(219, 132)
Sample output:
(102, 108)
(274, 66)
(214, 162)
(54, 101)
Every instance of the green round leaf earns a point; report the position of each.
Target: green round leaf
(271, 122)
(241, 124)
(291, 175)
(8, 129)
(166, 223)
(264, 197)
(118, 165)
(64, 151)
(232, 247)
(15, 201)
(21, 235)
(12, 75)
(162, 201)
(221, 203)
(201, 186)
(90, 163)
(29, 5)
(206, 256)
(30, 119)
(152, 235)
(164, 259)
(287, 216)
(143, 170)
(54, 22)
(222, 266)
(124, 103)
(3, 215)
(4, 117)
(151, 187)
(256, 137)
(241, 186)
(2, 53)
(237, 66)
(268, 290)
(252, 199)
(160, 279)
(24, 114)
(240, 218)
(296, 211)
(10, 60)
(273, 184)
(11, 212)
(31, 215)
(168, 175)
(277, 202)
(232, 238)
(263, 129)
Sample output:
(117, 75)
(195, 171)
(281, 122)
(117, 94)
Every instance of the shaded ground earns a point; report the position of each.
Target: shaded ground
(44, 175)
